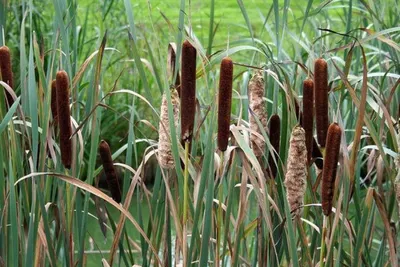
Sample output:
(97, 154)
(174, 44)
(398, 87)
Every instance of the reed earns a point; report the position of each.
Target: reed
(188, 91)
(53, 104)
(257, 109)
(6, 71)
(166, 158)
(274, 138)
(64, 119)
(109, 170)
(308, 115)
(296, 175)
(330, 167)
(321, 99)
(224, 102)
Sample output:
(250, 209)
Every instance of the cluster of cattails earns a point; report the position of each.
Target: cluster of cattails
(224, 102)
(188, 91)
(296, 174)
(257, 110)
(166, 158)
(64, 119)
(109, 170)
(6, 71)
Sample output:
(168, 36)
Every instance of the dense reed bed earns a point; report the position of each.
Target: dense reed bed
(243, 133)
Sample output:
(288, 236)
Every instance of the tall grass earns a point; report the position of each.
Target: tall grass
(212, 207)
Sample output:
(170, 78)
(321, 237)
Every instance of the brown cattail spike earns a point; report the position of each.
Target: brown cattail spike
(53, 104)
(274, 138)
(111, 175)
(257, 109)
(224, 102)
(296, 175)
(308, 115)
(64, 120)
(330, 166)
(6, 71)
(188, 91)
(171, 61)
(166, 158)
(321, 99)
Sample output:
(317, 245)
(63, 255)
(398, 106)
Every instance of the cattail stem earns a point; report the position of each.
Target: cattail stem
(185, 202)
(53, 104)
(224, 102)
(257, 109)
(296, 175)
(308, 115)
(171, 63)
(274, 138)
(323, 242)
(6, 72)
(64, 120)
(188, 91)
(111, 175)
(330, 166)
(321, 99)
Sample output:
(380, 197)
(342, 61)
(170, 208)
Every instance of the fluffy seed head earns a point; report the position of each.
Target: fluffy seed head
(64, 119)
(165, 157)
(188, 91)
(224, 102)
(321, 99)
(296, 175)
(257, 109)
(109, 170)
(53, 105)
(308, 115)
(330, 166)
(6, 71)
(274, 138)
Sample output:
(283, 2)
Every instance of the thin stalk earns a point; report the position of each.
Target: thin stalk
(322, 253)
(185, 202)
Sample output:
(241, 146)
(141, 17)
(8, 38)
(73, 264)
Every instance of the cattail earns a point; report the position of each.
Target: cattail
(188, 91)
(330, 166)
(171, 61)
(64, 120)
(224, 102)
(296, 175)
(166, 158)
(274, 138)
(321, 99)
(308, 115)
(53, 104)
(317, 155)
(257, 109)
(6, 71)
(109, 170)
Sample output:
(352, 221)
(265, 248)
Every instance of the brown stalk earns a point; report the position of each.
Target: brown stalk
(6, 71)
(257, 109)
(274, 138)
(308, 115)
(224, 102)
(171, 61)
(53, 104)
(166, 158)
(64, 119)
(188, 91)
(111, 175)
(330, 167)
(296, 175)
(321, 99)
